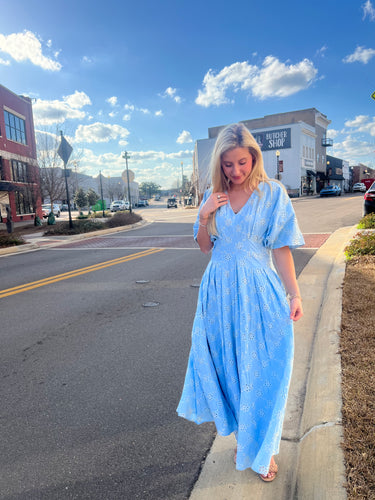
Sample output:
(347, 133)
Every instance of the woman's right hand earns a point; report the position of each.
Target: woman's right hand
(213, 202)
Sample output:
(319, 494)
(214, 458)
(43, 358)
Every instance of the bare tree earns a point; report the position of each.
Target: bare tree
(52, 182)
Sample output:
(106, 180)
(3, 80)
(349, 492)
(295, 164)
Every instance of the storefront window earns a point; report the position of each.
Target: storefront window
(23, 203)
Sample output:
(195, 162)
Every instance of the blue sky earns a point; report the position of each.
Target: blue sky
(150, 77)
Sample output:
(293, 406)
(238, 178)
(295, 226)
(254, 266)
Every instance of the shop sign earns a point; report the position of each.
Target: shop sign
(309, 163)
(273, 139)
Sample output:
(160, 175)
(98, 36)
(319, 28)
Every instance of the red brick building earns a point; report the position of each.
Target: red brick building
(19, 172)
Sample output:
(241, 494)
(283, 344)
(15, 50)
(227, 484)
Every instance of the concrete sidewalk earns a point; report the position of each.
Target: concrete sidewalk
(311, 461)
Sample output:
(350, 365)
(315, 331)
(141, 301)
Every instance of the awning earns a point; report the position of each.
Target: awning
(7, 186)
(311, 173)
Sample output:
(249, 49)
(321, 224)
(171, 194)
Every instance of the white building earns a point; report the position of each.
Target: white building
(299, 137)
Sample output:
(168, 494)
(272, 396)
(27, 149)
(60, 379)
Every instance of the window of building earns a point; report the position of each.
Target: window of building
(14, 127)
(19, 171)
(23, 203)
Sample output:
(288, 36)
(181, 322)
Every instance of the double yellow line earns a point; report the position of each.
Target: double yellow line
(77, 272)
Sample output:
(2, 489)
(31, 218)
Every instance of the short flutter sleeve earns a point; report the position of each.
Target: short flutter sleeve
(282, 227)
(196, 224)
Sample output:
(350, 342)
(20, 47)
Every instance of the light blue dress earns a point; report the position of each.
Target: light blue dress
(241, 357)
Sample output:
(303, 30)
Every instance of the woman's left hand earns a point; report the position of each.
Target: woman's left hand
(296, 311)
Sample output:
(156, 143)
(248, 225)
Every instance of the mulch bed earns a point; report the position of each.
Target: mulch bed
(358, 376)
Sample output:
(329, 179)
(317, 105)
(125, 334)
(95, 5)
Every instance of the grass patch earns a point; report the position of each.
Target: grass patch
(10, 240)
(362, 244)
(357, 349)
(367, 222)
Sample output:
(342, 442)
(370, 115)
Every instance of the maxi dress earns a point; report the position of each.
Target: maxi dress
(241, 356)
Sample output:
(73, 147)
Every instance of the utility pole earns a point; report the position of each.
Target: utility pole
(126, 155)
(101, 190)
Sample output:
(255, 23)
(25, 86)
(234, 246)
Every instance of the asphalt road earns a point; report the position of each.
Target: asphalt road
(90, 377)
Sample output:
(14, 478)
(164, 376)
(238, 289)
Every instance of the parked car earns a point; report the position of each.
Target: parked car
(119, 205)
(331, 190)
(46, 210)
(157, 197)
(359, 186)
(172, 202)
(142, 203)
(369, 200)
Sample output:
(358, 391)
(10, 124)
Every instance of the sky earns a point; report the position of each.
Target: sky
(150, 77)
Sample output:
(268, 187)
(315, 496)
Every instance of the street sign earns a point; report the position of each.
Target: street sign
(65, 150)
(281, 165)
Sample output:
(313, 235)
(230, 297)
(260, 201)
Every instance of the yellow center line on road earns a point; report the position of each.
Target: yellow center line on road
(77, 272)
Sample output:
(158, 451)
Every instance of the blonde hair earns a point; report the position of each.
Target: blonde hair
(231, 137)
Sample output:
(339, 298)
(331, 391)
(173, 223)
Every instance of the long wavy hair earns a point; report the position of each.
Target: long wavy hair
(231, 137)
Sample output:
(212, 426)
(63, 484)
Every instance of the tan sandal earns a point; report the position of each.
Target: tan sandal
(271, 475)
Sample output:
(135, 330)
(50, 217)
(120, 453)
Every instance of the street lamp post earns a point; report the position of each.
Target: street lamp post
(101, 191)
(277, 165)
(126, 155)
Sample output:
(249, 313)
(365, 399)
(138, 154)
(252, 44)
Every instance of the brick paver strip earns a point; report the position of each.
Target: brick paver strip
(311, 241)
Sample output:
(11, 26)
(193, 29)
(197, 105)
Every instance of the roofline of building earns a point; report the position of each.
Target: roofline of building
(25, 98)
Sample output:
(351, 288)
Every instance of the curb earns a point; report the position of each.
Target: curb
(29, 247)
(311, 459)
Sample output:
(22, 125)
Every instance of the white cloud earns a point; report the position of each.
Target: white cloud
(159, 113)
(101, 132)
(129, 107)
(87, 60)
(353, 149)
(360, 55)
(184, 137)
(332, 133)
(278, 79)
(362, 124)
(141, 156)
(274, 78)
(112, 114)
(112, 101)
(77, 100)
(127, 117)
(172, 93)
(27, 47)
(238, 75)
(50, 112)
(368, 10)
(4, 62)
(145, 111)
(321, 52)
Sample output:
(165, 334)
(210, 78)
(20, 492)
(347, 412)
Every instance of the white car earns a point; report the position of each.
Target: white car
(46, 208)
(118, 205)
(359, 186)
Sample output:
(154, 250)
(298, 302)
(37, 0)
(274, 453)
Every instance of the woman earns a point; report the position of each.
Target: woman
(241, 357)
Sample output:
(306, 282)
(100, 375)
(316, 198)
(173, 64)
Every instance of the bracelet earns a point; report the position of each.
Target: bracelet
(292, 296)
(202, 225)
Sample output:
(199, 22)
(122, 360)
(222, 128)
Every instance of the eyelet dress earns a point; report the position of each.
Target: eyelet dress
(241, 356)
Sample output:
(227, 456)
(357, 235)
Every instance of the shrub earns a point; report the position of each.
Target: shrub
(79, 226)
(9, 240)
(362, 244)
(367, 222)
(99, 214)
(123, 219)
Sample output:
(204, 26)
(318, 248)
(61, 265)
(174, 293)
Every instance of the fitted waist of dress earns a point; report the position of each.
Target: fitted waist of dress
(252, 257)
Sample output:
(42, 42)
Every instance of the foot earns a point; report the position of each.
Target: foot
(272, 472)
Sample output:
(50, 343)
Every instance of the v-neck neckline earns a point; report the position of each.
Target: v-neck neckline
(243, 206)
